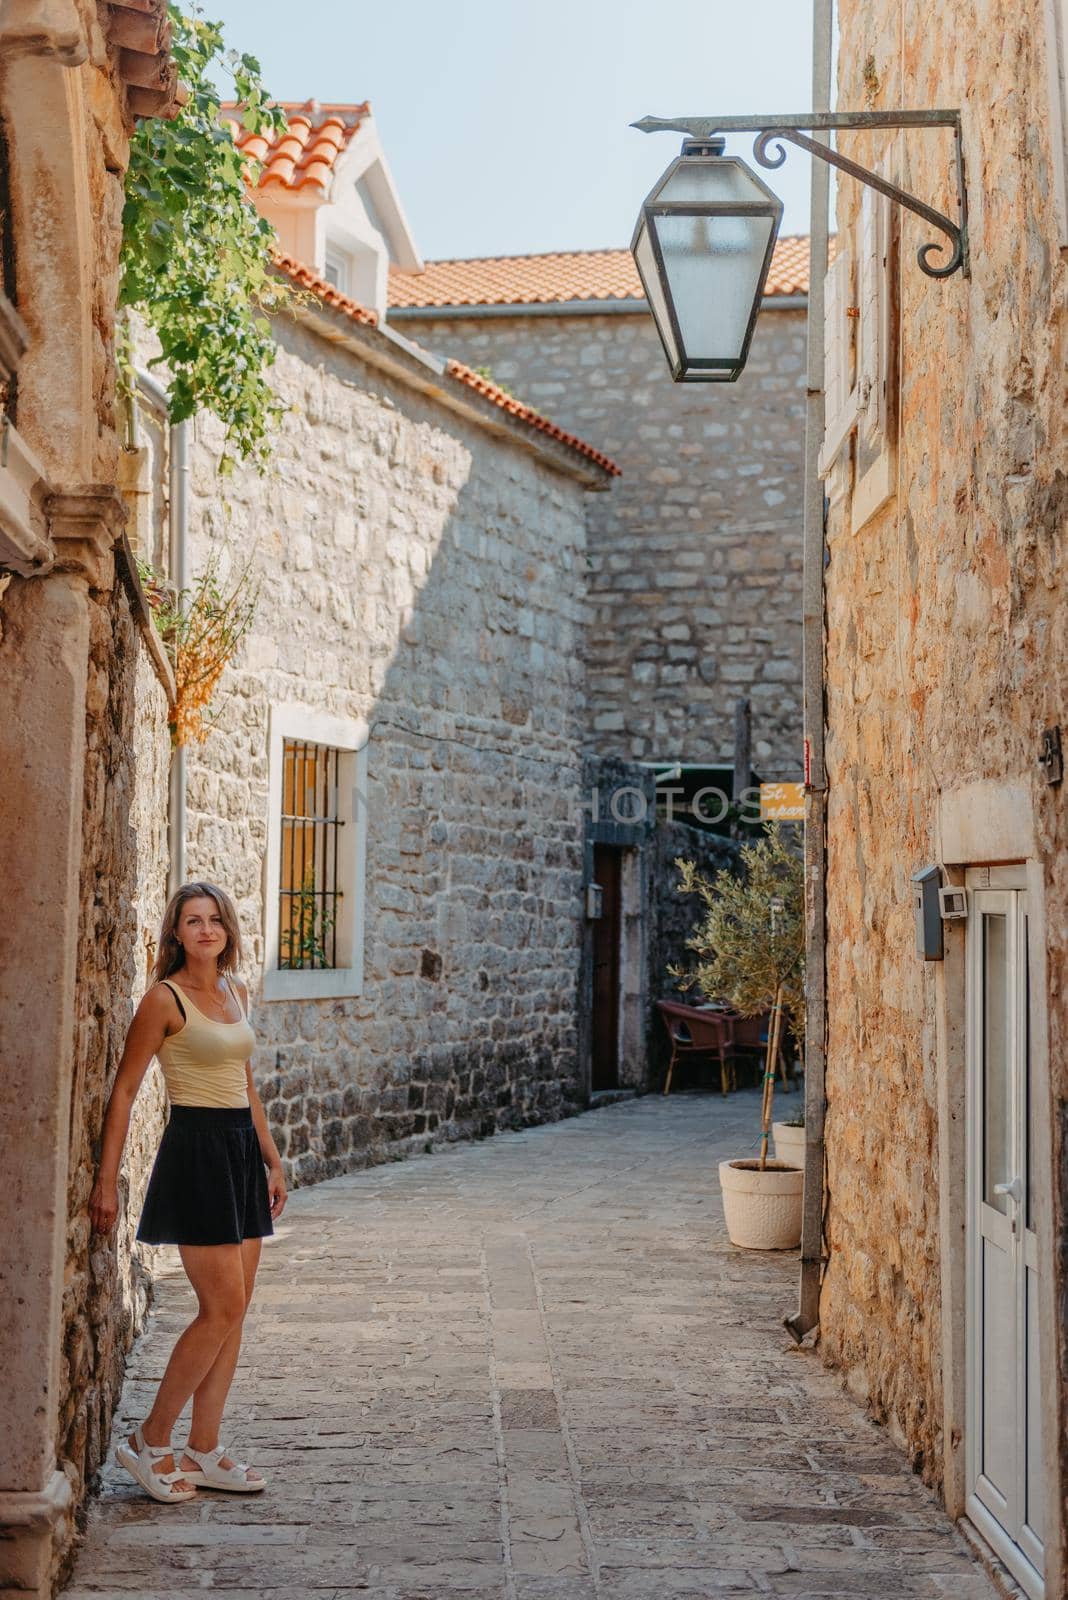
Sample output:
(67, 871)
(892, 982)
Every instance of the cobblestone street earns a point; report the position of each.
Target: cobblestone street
(532, 1369)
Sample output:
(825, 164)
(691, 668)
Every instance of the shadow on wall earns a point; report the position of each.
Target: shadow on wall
(107, 1282)
(426, 576)
(675, 916)
(695, 555)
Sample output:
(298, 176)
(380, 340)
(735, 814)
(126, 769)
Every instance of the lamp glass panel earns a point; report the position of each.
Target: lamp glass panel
(713, 180)
(646, 263)
(713, 267)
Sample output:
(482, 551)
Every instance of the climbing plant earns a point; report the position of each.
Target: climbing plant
(196, 253)
(311, 922)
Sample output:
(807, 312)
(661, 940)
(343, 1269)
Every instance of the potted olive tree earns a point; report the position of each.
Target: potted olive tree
(750, 949)
(790, 1139)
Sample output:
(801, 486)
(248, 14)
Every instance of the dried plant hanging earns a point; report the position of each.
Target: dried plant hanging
(201, 629)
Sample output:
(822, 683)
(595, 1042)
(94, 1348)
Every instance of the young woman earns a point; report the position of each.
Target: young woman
(209, 1193)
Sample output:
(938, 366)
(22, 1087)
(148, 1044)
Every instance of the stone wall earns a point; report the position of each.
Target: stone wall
(946, 656)
(123, 891)
(695, 557)
(426, 576)
(83, 751)
(107, 1283)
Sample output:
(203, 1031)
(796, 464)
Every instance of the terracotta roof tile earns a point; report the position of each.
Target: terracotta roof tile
(306, 154)
(516, 408)
(553, 279)
(306, 278)
(140, 30)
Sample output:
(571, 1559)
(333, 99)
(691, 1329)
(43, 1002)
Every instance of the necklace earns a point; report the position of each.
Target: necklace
(214, 1000)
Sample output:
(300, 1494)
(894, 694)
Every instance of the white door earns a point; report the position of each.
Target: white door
(1004, 1444)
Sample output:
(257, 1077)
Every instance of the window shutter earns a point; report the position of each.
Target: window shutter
(1057, 69)
(874, 304)
(839, 388)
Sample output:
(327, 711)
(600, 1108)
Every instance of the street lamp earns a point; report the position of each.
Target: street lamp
(706, 232)
(703, 247)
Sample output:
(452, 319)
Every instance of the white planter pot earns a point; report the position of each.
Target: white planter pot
(762, 1210)
(789, 1144)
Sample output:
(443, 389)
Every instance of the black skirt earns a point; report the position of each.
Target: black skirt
(208, 1184)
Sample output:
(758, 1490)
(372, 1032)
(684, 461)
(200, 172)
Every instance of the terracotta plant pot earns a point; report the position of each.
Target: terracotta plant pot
(789, 1144)
(762, 1210)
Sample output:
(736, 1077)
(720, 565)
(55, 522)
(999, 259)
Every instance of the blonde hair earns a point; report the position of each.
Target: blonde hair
(170, 955)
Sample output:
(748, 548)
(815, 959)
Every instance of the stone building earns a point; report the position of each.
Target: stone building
(944, 1291)
(694, 565)
(391, 787)
(695, 558)
(80, 816)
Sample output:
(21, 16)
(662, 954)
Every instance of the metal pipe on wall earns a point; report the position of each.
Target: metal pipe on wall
(178, 572)
(179, 575)
(815, 555)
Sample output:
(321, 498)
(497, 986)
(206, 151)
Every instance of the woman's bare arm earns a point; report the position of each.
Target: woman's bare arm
(276, 1182)
(147, 1032)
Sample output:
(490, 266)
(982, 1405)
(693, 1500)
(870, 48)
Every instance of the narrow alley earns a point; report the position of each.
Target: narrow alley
(532, 1369)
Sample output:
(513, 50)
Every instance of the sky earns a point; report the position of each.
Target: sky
(505, 125)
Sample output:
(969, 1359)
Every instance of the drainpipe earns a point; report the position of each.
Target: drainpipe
(179, 576)
(808, 1311)
(178, 573)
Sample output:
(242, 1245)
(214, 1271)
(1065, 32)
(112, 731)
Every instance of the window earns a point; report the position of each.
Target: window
(12, 334)
(336, 268)
(315, 855)
(1057, 57)
(310, 891)
(23, 479)
(859, 453)
(875, 460)
(839, 362)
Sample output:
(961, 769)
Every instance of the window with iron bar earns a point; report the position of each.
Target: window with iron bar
(309, 889)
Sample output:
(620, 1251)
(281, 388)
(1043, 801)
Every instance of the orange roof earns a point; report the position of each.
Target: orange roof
(516, 408)
(553, 279)
(306, 154)
(308, 279)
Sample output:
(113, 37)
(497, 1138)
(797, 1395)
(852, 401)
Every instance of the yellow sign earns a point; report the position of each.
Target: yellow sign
(782, 802)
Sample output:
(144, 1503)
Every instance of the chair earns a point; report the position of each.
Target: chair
(751, 1033)
(698, 1032)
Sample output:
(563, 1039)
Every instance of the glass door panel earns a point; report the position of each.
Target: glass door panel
(997, 1082)
(1004, 1410)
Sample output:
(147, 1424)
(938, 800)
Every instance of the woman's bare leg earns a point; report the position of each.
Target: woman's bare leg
(216, 1273)
(209, 1398)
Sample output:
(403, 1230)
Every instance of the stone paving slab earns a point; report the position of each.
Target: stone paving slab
(532, 1368)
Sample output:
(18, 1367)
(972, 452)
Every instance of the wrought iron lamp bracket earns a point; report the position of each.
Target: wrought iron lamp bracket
(771, 131)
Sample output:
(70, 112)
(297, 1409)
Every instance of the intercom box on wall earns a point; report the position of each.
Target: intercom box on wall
(928, 913)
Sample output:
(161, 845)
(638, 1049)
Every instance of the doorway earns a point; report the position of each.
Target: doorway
(607, 941)
(1005, 1473)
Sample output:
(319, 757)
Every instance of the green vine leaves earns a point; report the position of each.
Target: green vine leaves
(311, 922)
(196, 253)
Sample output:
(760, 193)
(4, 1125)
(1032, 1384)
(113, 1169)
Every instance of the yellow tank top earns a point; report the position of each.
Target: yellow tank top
(204, 1062)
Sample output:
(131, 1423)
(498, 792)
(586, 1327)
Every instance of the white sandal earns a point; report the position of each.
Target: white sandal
(209, 1474)
(160, 1485)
